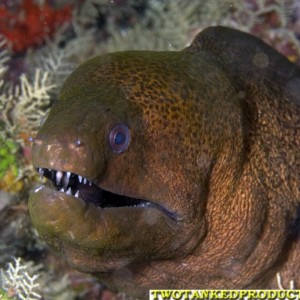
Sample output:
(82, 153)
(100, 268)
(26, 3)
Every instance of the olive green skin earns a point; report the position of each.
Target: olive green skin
(214, 139)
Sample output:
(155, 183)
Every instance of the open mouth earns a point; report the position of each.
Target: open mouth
(80, 187)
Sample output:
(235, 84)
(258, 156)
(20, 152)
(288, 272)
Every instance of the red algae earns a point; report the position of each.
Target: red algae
(30, 24)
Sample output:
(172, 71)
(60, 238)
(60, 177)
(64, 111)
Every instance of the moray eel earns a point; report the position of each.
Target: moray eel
(175, 169)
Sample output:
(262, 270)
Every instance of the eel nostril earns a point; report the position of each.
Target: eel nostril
(78, 143)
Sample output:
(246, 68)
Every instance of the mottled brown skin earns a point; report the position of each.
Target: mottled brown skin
(215, 139)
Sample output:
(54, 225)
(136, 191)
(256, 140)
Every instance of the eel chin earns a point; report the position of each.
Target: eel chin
(98, 230)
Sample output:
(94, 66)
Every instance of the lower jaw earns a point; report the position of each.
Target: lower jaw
(104, 233)
(73, 219)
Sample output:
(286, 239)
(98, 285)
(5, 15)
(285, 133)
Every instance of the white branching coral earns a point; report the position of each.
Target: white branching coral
(24, 105)
(167, 25)
(279, 283)
(56, 63)
(18, 282)
(54, 60)
(32, 99)
(172, 24)
(150, 33)
(164, 25)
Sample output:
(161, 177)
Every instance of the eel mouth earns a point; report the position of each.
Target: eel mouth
(82, 188)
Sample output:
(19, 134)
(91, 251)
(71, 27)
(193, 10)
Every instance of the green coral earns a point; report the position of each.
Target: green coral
(8, 160)
(5, 296)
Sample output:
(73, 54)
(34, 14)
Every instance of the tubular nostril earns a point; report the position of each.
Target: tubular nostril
(78, 143)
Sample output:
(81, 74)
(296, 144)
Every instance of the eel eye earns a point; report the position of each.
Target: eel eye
(119, 138)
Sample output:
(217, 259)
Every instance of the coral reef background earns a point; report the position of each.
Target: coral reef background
(41, 42)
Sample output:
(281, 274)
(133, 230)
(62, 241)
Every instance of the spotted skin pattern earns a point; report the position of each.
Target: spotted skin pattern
(213, 159)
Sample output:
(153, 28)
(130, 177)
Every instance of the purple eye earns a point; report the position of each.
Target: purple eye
(119, 138)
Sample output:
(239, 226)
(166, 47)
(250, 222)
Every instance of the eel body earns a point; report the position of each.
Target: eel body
(176, 169)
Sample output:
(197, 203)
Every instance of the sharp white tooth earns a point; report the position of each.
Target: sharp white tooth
(38, 188)
(66, 179)
(59, 175)
(69, 191)
(77, 194)
(84, 180)
(41, 172)
(61, 190)
(80, 178)
(90, 183)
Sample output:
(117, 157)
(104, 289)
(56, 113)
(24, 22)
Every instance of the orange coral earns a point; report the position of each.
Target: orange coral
(30, 24)
(10, 182)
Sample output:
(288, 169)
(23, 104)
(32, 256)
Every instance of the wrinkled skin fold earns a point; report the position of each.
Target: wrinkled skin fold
(205, 192)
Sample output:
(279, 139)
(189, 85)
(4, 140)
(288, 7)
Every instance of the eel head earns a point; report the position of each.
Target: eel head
(116, 191)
